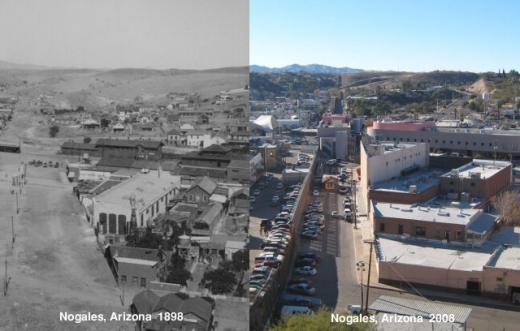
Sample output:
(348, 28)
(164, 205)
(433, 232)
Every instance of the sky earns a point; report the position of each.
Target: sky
(397, 35)
(158, 34)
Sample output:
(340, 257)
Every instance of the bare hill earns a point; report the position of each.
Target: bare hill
(99, 88)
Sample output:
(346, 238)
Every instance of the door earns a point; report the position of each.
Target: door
(473, 287)
(400, 229)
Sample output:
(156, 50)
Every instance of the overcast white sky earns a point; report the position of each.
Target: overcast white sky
(160, 34)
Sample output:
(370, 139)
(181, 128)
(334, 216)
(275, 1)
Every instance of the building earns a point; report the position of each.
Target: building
(130, 149)
(271, 154)
(80, 149)
(214, 156)
(239, 171)
(491, 270)
(112, 208)
(200, 191)
(480, 179)
(486, 142)
(385, 161)
(195, 138)
(175, 137)
(330, 183)
(134, 266)
(449, 221)
(256, 166)
(197, 311)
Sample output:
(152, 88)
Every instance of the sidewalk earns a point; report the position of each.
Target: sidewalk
(364, 231)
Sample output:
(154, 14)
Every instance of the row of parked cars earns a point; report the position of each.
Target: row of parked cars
(49, 164)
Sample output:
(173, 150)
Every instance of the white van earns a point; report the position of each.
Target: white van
(291, 310)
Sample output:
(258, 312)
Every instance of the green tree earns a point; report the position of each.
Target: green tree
(321, 321)
(219, 281)
(53, 131)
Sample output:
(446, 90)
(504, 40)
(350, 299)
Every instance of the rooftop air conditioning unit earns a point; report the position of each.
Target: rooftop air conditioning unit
(413, 189)
(455, 172)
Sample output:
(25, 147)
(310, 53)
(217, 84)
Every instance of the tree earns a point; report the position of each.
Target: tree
(53, 131)
(177, 273)
(507, 204)
(240, 260)
(321, 321)
(104, 123)
(87, 140)
(219, 281)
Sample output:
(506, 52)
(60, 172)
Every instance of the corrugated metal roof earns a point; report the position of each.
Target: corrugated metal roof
(410, 307)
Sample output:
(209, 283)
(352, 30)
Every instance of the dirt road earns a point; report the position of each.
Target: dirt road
(56, 265)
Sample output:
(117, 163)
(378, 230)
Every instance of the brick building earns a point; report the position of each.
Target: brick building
(131, 149)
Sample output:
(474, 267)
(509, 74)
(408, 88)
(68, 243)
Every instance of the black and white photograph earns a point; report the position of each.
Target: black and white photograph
(124, 171)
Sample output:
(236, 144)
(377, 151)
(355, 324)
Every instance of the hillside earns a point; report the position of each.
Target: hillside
(91, 88)
(310, 68)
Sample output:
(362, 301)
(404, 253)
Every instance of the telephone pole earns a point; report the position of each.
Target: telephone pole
(12, 228)
(371, 242)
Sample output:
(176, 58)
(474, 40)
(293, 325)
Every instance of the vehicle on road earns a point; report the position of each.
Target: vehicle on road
(45, 164)
(305, 262)
(334, 214)
(262, 270)
(256, 192)
(306, 271)
(259, 277)
(310, 255)
(299, 281)
(302, 302)
(302, 289)
(309, 235)
(291, 310)
(343, 190)
(279, 186)
(252, 199)
(315, 193)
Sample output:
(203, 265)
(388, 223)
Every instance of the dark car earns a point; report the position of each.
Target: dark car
(302, 289)
(266, 224)
(299, 281)
(309, 235)
(309, 255)
(56, 165)
(302, 302)
(305, 262)
(32, 162)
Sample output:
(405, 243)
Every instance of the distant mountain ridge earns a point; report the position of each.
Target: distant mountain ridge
(5, 65)
(311, 68)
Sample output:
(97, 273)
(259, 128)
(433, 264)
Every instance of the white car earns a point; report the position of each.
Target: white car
(306, 271)
(252, 199)
(279, 185)
(276, 198)
(334, 214)
(256, 192)
(316, 193)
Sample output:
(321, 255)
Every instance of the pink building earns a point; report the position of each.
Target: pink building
(329, 117)
(404, 125)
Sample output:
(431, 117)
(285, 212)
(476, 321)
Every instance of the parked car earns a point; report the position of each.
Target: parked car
(32, 162)
(302, 289)
(306, 271)
(343, 190)
(309, 235)
(302, 302)
(334, 214)
(256, 192)
(315, 193)
(50, 164)
(310, 255)
(262, 270)
(260, 277)
(45, 164)
(252, 199)
(255, 282)
(305, 262)
(299, 281)
(279, 186)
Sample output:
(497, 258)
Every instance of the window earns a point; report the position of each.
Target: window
(381, 227)
(444, 141)
(135, 280)
(205, 198)
(123, 278)
(481, 144)
(458, 235)
(474, 144)
(143, 282)
(190, 198)
(451, 182)
(407, 139)
(514, 146)
(451, 142)
(472, 184)
(422, 140)
(458, 142)
(504, 146)
(420, 230)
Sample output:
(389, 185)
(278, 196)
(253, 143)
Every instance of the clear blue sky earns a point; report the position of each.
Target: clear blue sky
(405, 35)
(160, 34)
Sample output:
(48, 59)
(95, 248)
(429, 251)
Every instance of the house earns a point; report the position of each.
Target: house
(239, 171)
(118, 128)
(330, 183)
(148, 127)
(134, 266)
(195, 138)
(200, 191)
(197, 311)
(218, 138)
(72, 148)
(175, 137)
(185, 127)
(134, 149)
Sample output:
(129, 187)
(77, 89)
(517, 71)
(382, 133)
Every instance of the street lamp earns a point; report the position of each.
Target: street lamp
(361, 267)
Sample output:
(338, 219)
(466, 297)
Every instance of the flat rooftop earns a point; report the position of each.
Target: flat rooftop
(433, 212)
(507, 258)
(488, 131)
(423, 180)
(145, 187)
(478, 168)
(433, 254)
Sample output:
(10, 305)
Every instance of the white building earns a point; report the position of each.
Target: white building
(112, 209)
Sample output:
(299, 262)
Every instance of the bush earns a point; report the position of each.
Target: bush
(53, 131)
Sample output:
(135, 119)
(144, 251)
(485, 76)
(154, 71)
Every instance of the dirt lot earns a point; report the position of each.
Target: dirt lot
(55, 265)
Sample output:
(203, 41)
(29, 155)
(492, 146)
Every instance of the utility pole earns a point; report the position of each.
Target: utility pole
(17, 209)
(6, 281)
(12, 227)
(361, 267)
(371, 242)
